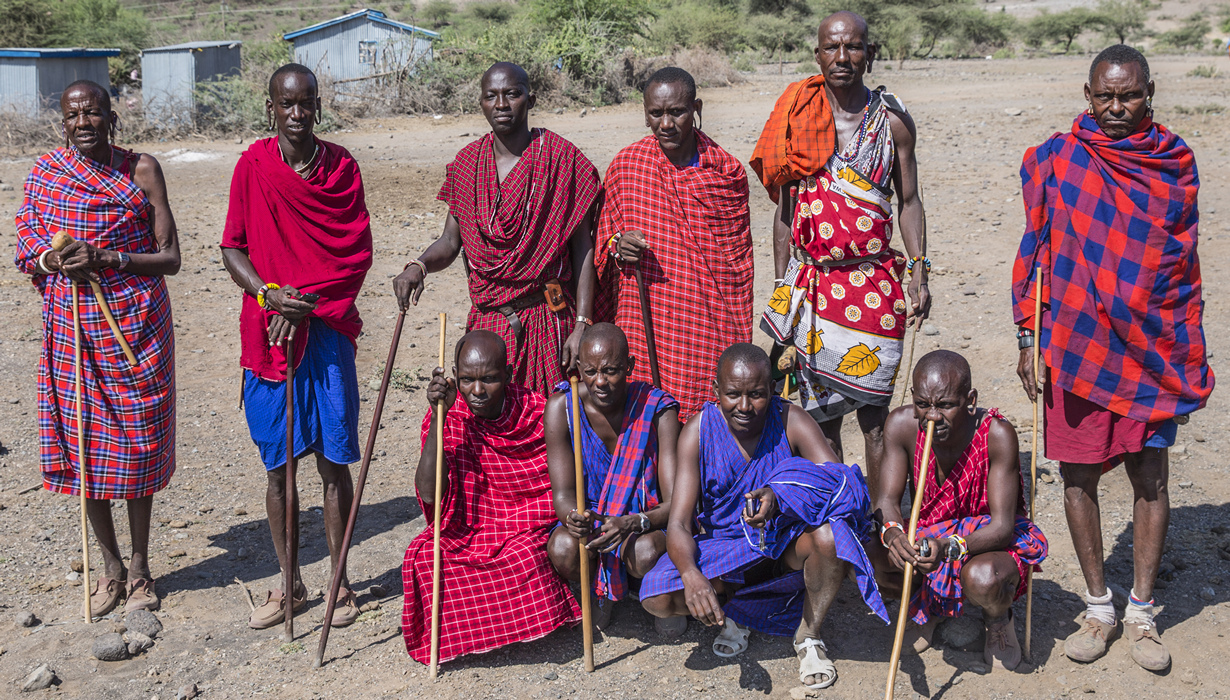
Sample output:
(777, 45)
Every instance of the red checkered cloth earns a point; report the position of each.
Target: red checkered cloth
(1114, 226)
(129, 411)
(698, 273)
(497, 585)
(515, 236)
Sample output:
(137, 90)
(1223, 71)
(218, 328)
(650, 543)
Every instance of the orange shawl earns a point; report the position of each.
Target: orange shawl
(798, 138)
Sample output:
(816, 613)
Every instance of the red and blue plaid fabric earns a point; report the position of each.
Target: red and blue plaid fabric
(515, 234)
(497, 585)
(129, 412)
(626, 482)
(964, 491)
(940, 593)
(1113, 224)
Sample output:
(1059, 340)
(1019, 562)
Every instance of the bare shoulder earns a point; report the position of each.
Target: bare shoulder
(901, 428)
(902, 125)
(557, 407)
(147, 173)
(1002, 435)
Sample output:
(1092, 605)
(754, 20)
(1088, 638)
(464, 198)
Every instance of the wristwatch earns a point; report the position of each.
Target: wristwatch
(645, 525)
(124, 260)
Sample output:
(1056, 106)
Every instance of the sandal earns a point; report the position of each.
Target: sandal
(815, 664)
(345, 611)
(141, 596)
(733, 637)
(270, 612)
(106, 595)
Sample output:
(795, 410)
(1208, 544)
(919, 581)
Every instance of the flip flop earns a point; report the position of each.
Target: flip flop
(815, 663)
(732, 637)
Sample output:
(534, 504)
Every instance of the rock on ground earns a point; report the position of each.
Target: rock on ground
(143, 621)
(186, 692)
(960, 632)
(138, 643)
(110, 647)
(40, 678)
(25, 618)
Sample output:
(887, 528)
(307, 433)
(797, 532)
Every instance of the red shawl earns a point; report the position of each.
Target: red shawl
(313, 234)
(515, 233)
(699, 272)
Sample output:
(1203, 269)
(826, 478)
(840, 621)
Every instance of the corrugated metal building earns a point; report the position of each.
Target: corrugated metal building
(361, 44)
(170, 74)
(32, 79)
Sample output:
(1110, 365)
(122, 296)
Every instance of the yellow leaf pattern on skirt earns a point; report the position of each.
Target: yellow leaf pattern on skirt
(780, 301)
(814, 342)
(859, 361)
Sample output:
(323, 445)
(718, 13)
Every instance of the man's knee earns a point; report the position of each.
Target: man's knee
(646, 552)
(564, 552)
(659, 605)
(989, 580)
(821, 545)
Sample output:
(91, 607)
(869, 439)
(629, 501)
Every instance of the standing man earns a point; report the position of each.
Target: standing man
(676, 205)
(832, 155)
(297, 224)
(520, 204)
(113, 202)
(1111, 222)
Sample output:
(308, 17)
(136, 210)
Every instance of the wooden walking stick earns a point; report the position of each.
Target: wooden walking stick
(290, 499)
(650, 342)
(587, 614)
(434, 668)
(336, 585)
(904, 615)
(59, 242)
(1033, 461)
(85, 537)
(909, 366)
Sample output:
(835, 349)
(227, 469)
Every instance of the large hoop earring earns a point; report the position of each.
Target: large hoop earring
(1149, 106)
(699, 120)
(318, 117)
(269, 120)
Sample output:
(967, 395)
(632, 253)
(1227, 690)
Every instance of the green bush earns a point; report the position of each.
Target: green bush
(1059, 27)
(692, 24)
(87, 23)
(1121, 19)
(1189, 35)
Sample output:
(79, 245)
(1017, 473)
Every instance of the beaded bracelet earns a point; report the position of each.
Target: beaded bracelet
(612, 245)
(888, 526)
(962, 548)
(909, 264)
(260, 294)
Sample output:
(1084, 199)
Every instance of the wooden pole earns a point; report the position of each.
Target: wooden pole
(434, 667)
(904, 615)
(909, 366)
(1033, 461)
(587, 615)
(58, 242)
(651, 343)
(81, 472)
(290, 499)
(336, 584)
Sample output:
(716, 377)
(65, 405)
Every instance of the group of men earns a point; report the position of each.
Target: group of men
(707, 495)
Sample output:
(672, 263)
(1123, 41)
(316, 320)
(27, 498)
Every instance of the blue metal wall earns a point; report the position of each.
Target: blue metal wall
(358, 48)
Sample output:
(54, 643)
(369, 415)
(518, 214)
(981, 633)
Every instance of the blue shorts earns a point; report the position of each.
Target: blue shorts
(326, 403)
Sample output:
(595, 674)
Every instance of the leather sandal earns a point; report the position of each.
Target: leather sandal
(141, 596)
(106, 595)
(271, 612)
(345, 611)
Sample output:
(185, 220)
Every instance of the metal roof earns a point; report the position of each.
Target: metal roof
(193, 45)
(372, 16)
(58, 53)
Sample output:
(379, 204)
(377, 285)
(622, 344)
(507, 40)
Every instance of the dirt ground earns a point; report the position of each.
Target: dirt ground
(975, 119)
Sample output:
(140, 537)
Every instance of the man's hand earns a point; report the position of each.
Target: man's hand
(900, 552)
(288, 310)
(920, 298)
(632, 245)
(767, 509)
(1025, 370)
(571, 351)
(614, 532)
(702, 599)
(408, 286)
(931, 562)
(441, 389)
(79, 259)
(580, 525)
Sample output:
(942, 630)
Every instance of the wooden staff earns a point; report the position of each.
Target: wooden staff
(59, 242)
(587, 614)
(907, 584)
(650, 342)
(434, 668)
(1033, 460)
(909, 366)
(290, 499)
(85, 537)
(336, 585)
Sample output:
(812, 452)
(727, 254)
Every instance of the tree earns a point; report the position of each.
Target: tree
(777, 35)
(1189, 35)
(438, 13)
(1058, 27)
(1121, 18)
(25, 22)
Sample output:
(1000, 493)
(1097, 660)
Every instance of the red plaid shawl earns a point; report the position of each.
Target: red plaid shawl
(627, 481)
(496, 584)
(129, 411)
(313, 233)
(515, 235)
(1114, 224)
(699, 272)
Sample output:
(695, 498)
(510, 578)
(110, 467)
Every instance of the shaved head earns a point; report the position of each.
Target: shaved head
(747, 355)
(104, 97)
(844, 17)
(276, 80)
(481, 347)
(514, 72)
(946, 366)
(605, 337)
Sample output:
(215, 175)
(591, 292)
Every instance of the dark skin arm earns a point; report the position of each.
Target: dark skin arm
(613, 529)
(910, 214)
(698, 591)
(288, 311)
(408, 286)
(441, 389)
(581, 247)
(1025, 370)
(79, 259)
(1003, 489)
(781, 232)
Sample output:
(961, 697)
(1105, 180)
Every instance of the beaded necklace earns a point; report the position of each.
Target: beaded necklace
(862, 130)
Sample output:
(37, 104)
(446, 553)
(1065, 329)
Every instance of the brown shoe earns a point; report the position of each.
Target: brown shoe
(917, 638)
(1002, 648)
(271, 613)
(1147, 648)
(141, 596)
(345, 612)
(106, 595)
(1090, 641)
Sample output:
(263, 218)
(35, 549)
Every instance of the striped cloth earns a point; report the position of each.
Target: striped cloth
(1114, 226)
(497, 585)
(129, 411)
(515, 234)
(798, 137)
(627, 481)
(698, 273)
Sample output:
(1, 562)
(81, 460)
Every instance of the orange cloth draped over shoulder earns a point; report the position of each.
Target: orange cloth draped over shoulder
(798, 138)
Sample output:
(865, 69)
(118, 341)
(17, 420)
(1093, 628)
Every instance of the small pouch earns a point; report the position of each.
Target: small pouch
(554, 292)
